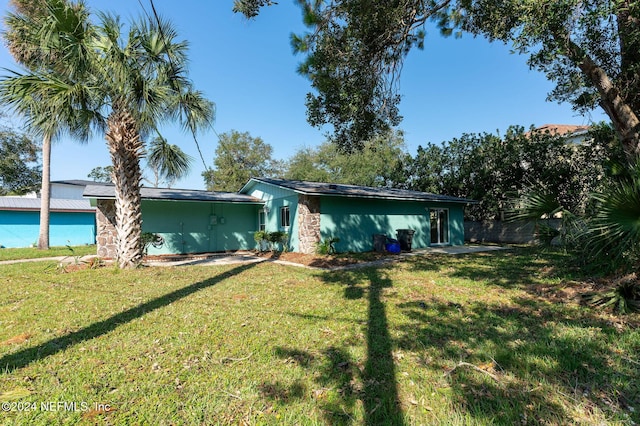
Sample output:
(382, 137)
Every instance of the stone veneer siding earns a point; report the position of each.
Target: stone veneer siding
(308, 223)
(106, 237)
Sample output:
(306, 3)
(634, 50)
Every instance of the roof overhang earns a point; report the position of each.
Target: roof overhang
(354, 191)
(169, 194)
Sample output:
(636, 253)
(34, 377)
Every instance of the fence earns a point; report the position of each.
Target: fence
(495, 231)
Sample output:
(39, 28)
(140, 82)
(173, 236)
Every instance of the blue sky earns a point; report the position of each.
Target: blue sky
(248, 70)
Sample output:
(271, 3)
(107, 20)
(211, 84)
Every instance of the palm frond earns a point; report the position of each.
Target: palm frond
(197, 112)
(534, 206)
(614, 232)
(171, 162)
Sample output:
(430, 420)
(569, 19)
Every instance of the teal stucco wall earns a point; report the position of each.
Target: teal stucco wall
(355, 221)
(21, 228)
(200, 227)
(275, 198)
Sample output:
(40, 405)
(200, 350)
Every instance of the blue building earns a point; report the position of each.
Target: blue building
(71, 221)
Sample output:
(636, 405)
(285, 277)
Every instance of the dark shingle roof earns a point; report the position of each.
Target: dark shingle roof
(170, 194)
(319, 188)
(79, 182)
(33, 204)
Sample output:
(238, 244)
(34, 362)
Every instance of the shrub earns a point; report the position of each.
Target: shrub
(261, 239)
(326, 246)
(624, 298)
(268, 240)
(151, 239)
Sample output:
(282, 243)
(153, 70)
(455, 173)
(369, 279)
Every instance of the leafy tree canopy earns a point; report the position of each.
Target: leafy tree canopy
(496, 169)
(380, 163)
(167, 163)
(19, 163)
(239, 157)
(355, 50)
(101, 174)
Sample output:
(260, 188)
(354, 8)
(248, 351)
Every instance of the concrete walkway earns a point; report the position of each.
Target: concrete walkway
(248, 257)
(210, 259)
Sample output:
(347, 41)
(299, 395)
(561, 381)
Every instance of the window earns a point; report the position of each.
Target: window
(262, 220)
(284, 217)
(439, 219)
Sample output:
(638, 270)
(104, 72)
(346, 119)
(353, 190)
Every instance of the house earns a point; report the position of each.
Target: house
(71, 219)
(571, 133)
(189, 221)
(71, 189)
(200, 221)
(312, 211)
(70, 222)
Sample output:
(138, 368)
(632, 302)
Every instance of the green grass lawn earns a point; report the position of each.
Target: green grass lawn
(472, 339)
(34, 253)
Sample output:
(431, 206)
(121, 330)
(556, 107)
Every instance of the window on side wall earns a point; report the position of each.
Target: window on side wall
(262, 220)
(285, 217)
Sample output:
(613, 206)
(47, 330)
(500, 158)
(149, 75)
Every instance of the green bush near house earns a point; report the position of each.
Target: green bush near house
(326, 246)
(271, 240)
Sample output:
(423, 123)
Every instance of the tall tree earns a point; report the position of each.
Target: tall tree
(355, 50)
(134, 79)
(167, 162)
(239, 157)
(19, 163)
(380, 163)
(63, 54)
(101, 174)
(495, 169)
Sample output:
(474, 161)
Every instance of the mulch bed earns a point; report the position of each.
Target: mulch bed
(324, 261)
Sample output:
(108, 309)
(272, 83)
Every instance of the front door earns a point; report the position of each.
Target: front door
(439, 219)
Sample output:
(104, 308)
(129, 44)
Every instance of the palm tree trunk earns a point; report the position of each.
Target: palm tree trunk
(126, 149)
(45, 194)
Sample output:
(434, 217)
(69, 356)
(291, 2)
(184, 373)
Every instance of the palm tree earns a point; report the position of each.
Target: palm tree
(143, 81)
(167, 161)
(60, 23)
(612, 240)
(133, 81)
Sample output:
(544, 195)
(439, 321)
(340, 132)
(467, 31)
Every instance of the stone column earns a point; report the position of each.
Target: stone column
(308, 223)
(106, 237)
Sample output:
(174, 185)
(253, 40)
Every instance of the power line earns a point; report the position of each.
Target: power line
(164, 39)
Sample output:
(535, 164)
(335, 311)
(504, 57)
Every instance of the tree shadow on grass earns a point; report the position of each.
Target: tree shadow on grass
(565, 351)
(521, 267)
(379, 393)
(538, 362)
(26, 356)
(533, 339)
(336, 390)
(374, 383)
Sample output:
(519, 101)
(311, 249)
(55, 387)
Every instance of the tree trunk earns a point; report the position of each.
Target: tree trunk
(126, 149)
(45, 194)
(624, 118)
